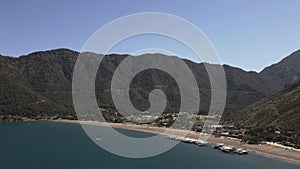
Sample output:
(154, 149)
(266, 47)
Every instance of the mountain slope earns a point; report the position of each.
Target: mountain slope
(275, 117)
(245, 88)
(28, 87)
(40, 83)
(286, 71)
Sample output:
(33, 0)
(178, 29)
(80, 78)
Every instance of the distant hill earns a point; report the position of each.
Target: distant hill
(287, 71)
(39, 85)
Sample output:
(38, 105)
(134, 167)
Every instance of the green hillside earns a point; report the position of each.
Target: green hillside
(39, 84)
(275, 118)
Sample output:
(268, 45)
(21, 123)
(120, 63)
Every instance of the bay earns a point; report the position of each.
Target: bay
(49, 145)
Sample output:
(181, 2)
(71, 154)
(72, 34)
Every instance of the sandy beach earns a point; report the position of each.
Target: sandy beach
(267, 150)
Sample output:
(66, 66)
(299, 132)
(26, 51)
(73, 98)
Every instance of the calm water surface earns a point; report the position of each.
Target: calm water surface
(45, 145)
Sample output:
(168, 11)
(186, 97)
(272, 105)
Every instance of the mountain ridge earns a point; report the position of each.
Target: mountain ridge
(39, 71)
(285, 71)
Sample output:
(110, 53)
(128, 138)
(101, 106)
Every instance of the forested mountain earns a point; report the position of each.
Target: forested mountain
(39, 85)
(274, 118)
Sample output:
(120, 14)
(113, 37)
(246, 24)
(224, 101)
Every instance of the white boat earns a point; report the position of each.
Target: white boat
(201, 143)
(227, 149)
(98, 138)
(243, 152)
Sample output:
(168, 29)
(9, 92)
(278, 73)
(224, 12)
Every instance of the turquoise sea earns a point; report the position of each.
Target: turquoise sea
(45, 145)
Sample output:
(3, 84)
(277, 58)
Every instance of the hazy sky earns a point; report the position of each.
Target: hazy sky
(250, 34)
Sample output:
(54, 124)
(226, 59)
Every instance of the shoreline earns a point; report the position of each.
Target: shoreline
(266, 150)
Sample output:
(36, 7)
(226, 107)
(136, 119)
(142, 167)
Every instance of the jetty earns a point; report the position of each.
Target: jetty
(188, 140)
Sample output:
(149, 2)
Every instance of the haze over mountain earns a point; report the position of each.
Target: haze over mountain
(39, 84)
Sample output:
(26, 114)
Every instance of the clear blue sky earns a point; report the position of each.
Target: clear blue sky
(250, 34)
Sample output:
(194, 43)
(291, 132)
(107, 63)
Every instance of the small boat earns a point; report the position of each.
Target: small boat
(227, 149)
(201, 143)
(218, 146)
(98, 138)
(243, 152)
(240, 151)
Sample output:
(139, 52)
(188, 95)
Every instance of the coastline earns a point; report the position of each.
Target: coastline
(266, 150)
